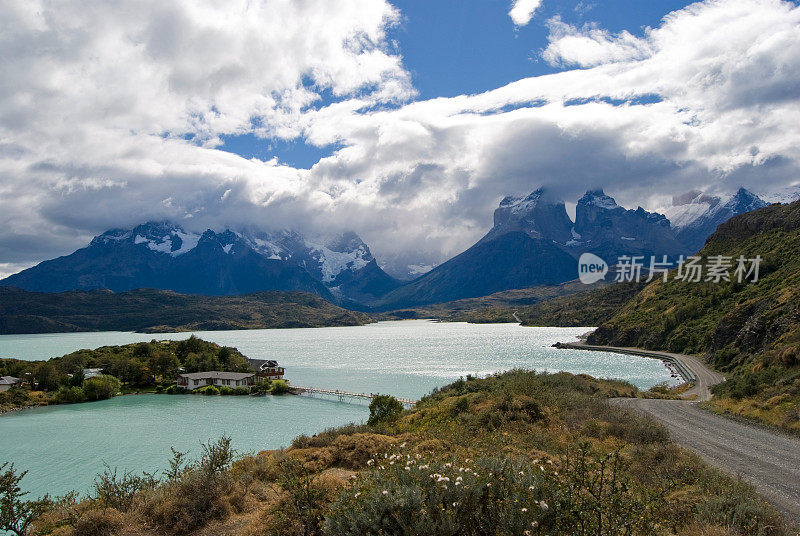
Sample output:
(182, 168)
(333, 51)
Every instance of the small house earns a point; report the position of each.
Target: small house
(92, 373)
(7, 382)
(266, 368)
(196, 380)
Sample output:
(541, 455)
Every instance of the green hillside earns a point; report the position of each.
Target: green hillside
(749, 331)
(513, 454)
(152, 311)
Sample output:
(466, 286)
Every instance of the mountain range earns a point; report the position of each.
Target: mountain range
(533, 242)
(162, 255)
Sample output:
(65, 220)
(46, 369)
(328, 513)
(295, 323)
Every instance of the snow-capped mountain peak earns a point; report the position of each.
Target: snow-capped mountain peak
(695, 215)
(598, 198)
(161, 237)
(539, 214)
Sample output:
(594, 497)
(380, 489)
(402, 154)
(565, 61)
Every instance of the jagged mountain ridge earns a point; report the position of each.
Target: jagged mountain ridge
(164, 256)
(534, 242)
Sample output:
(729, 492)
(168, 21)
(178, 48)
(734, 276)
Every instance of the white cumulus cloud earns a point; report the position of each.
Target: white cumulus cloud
(111, 112)
(522, 11)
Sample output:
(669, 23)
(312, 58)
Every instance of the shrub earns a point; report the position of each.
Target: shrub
(194, 494)
(119, 492)
(16, 396)
(279, 387)
(101, 387)
(225, 390)
(104, 522)
(208, 390)
(70, 395)
(261, 388)
(384, 408)
(176, 390)
(300, 510)
(410, 495)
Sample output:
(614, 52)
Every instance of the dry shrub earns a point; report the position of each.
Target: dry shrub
(313, 459)
(790, 356)
(353, 451)
(707, 530)
(104, 522)
(264, 466)
(184, 505)
(332, 479)
(430, 446)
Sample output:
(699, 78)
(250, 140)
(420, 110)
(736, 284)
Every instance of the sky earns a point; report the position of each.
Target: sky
(403, 121)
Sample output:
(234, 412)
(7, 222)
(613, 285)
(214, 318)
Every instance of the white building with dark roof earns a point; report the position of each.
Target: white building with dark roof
(196, 380)
(7, 382)
(266, 368)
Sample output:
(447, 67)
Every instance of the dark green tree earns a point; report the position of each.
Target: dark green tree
(47, 377)
(101, 387)
(384, 408)
(16, 513)
(163, 364)
(77, 377)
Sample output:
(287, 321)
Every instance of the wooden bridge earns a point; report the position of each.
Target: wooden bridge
(344, 396)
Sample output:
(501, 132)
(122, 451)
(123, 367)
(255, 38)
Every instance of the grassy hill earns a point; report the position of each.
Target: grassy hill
(150, 310)
(749, 331)
(497, 307)
(513, 454)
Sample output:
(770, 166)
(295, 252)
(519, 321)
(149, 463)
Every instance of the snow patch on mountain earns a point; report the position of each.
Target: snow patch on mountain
(188, 242)
(599, 199)
(688, 207)
(332, 263)
(784, 196)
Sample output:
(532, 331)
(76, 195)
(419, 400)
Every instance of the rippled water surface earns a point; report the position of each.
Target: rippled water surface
(63, 447)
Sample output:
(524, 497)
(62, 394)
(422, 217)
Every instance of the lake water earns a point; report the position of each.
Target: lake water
(63, 447)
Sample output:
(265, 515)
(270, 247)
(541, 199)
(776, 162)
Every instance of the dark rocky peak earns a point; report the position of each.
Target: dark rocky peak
(540, 215)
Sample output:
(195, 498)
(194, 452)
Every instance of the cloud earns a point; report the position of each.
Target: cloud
(591, 46)
(522, 11)
(109, 118)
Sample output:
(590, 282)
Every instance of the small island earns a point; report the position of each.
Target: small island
(172, 367)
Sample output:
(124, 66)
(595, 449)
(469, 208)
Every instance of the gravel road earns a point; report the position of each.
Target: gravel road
(768, 460)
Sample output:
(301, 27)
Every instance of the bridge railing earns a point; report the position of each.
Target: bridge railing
(344, 396)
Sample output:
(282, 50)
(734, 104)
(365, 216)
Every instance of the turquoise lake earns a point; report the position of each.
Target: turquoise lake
(64, 447)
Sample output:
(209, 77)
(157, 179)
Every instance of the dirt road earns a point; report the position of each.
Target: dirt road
(769, 460)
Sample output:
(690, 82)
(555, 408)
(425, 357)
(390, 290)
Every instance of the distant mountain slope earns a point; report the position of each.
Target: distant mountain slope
(158, 310)
(533, 242)
(750, 331)
(164, 256)
(695, 216)
(512, 260)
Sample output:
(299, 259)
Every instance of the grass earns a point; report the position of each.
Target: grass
(749, 331)
(511, 453)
